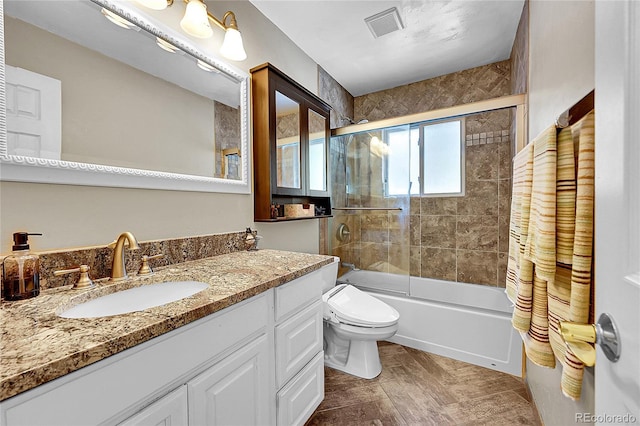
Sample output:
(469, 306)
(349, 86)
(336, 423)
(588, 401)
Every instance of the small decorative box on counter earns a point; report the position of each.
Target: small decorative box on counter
(299, 210)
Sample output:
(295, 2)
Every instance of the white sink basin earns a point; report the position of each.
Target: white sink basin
(135, 299)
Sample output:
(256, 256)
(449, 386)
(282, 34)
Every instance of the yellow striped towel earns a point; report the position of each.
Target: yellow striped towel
(541, 242)
(519, 284)
(579, 304)
(565, 197)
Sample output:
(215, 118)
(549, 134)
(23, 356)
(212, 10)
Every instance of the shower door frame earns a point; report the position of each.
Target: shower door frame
(503, 102)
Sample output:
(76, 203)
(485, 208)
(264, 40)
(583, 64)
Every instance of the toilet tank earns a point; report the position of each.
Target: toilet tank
(329, 275)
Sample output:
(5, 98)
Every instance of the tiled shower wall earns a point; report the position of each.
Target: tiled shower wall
(337, 96)
(454, 238)
(475, 84)
(466, 238)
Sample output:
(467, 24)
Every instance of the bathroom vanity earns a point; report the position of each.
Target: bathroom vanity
(246, 350)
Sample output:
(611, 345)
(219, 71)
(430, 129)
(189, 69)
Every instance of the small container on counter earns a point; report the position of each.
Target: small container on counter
(21, 270)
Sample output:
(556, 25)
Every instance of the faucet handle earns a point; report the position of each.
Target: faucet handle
(84, 281)
(145, 268)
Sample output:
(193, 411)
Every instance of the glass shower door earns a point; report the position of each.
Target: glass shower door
(370, 189)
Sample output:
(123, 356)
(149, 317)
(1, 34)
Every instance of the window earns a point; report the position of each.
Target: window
(317, 162)
(289, 165)
(398, 158)
(434, 154)
(442, 158)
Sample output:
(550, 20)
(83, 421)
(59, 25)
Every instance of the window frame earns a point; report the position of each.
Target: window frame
(420, 127)
(385, 162)
(325, 180)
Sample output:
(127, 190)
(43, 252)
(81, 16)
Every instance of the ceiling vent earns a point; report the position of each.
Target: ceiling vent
(384, 22)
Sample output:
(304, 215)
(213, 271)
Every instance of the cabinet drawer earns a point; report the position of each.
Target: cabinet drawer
(294, 295)
(298, 400)
(298, 339)
(171, 410)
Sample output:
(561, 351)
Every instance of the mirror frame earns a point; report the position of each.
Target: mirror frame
(15, 168)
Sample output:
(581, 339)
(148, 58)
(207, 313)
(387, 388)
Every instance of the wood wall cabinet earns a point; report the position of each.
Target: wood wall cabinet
(290, 145)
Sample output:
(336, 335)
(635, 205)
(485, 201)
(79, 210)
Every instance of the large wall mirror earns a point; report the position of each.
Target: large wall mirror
(92, 103)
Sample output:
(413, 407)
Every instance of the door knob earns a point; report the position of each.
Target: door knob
(578, 336)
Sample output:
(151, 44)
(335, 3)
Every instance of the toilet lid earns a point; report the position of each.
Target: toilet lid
(353, 306)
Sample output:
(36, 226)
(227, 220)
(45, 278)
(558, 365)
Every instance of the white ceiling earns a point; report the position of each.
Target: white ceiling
(440, 37)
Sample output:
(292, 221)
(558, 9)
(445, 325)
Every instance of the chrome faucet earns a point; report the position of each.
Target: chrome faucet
(118, 269)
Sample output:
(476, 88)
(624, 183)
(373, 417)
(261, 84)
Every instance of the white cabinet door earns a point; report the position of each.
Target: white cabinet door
(170, 410)
(235, 391)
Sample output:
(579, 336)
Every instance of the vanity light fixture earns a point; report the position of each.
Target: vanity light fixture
(196, 22)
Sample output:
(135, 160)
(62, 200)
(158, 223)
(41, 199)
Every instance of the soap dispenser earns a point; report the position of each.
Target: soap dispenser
(21, 270)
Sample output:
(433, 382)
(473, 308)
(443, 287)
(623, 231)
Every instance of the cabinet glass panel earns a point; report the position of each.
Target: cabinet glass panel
(288, 142)
(317, 152)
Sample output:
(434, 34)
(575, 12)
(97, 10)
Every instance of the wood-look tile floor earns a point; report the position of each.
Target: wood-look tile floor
(418, 388)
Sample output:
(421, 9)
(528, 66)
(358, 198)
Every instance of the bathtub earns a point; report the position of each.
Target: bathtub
(467, 322)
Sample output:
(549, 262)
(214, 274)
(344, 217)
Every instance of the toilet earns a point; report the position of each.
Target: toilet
(353, 323)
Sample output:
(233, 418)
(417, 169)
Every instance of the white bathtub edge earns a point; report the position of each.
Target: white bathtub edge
(506, 356)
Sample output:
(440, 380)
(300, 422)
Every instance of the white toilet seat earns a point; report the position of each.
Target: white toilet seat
(347, 305)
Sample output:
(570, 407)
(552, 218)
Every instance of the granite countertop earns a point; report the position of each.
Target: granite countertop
(37, 346)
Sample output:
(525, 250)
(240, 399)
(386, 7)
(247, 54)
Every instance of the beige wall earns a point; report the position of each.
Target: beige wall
(72, 216)
(561, 58)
